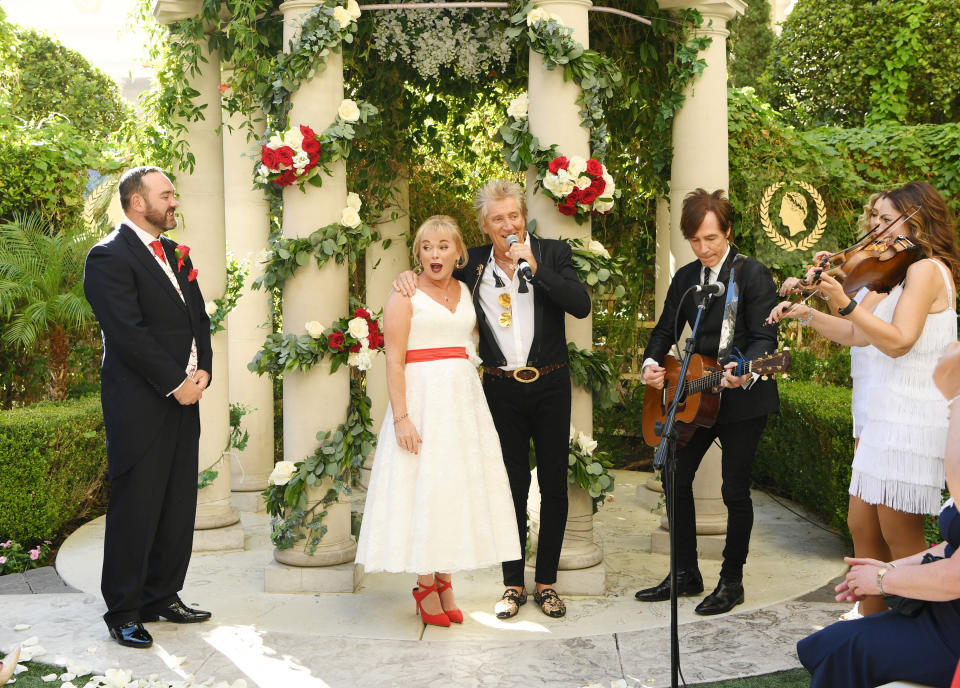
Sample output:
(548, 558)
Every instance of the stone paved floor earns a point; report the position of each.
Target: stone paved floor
(372, 637)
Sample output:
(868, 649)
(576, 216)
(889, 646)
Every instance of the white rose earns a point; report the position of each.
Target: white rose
(362, 360)
(264, 171)
(537, 14)
(314, 329)
(559, 184)
(350, 217)
(210, 307)
(358, 328)
(583, 181)
(597, 248)
(300, 160)
(519, 107)
(610, 187)
(342, 16)
(353, 8)
(282, 472)
(586, 443)
(353, 201)
(577, 166)
(276, 141)
(348, 111)
(602, 206)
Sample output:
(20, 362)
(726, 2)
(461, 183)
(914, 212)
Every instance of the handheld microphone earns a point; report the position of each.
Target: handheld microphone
(522, 265)
(715, 289)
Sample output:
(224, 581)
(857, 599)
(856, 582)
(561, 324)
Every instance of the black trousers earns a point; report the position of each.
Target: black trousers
(538, 411)
(739, 441)
(150, 518)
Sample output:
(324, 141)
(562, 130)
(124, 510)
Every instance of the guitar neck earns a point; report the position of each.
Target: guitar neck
(712, 380)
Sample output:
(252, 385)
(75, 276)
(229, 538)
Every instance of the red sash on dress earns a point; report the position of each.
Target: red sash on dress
(438, 354)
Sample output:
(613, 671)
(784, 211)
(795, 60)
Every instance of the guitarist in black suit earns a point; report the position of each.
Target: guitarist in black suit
(526, 381)
(745, 402)
(157, 360)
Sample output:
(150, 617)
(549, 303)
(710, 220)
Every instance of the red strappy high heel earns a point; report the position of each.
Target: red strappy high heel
(419, 594)
(455, 615)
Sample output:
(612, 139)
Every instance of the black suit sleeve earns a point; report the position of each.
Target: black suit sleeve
(758, 297)
(561, 283)
(662, 337)
(110, 287)
(201, 331)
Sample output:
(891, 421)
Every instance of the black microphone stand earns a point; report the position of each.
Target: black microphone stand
(665, 460)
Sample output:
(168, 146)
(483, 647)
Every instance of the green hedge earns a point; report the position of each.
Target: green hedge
(806, 450)
(52, 460)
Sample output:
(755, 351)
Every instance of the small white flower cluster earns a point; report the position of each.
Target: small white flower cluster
(586, 444)
(519, 107)
(282, 473)
(348, 111)
(360, 330)
(350, 215)
(430, 41)
(596, 248)
(563, 181)
(348, 14)
(539, 14)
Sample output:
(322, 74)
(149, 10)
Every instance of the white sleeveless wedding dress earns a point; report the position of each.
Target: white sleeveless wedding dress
(899, 461)
(449, 508)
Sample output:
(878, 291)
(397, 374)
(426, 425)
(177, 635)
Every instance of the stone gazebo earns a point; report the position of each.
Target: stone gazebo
(233, 214)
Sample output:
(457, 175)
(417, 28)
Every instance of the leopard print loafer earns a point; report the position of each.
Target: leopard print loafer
(550, 603)
(510, 603)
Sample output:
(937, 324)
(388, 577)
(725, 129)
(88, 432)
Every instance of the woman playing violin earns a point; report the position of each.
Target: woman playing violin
(897, 474)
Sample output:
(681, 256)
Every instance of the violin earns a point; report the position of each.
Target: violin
(876, 263)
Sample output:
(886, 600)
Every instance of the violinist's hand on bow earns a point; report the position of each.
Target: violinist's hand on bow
(731, 381)
(787, 309)
(830, 288)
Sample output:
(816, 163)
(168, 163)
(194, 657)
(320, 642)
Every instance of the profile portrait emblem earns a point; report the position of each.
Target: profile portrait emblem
(793, 214)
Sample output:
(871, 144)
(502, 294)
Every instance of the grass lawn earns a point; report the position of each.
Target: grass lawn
(796, 678)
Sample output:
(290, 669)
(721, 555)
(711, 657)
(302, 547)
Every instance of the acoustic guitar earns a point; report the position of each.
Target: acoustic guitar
(700, 396)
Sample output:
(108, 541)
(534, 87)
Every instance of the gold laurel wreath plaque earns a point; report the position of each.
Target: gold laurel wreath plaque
(783, 242)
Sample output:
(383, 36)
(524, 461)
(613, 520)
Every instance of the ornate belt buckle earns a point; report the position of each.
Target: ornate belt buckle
(526, 374)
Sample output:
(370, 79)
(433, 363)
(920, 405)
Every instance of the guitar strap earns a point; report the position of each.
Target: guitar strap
(729, 314)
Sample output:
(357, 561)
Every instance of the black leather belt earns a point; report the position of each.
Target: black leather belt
(523, 374)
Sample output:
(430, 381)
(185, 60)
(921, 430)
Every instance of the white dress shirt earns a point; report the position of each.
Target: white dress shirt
(514, 341)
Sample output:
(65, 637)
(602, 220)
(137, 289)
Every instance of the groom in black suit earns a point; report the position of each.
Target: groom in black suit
(745, 402)
(523, 345)
(156, 364)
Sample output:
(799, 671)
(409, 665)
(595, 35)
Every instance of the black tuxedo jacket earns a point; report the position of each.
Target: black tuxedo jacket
(752, 336)
(147, 330)
(557, 290)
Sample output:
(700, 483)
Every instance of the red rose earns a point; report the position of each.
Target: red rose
(588, 196)
(372, 330)
(192, 275)
(567, 207)
(356, 348)
(307, 132)
(557, 164)
(181, 252)
(574, 196)
(598, 185)
(285, 156)
(361, 313)
(594, 168)
(335, 341)
(380, 341)
(269, 158)
(286, 178)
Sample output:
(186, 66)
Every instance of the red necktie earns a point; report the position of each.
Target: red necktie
(158, 250)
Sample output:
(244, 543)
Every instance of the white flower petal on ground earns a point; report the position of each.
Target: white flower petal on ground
(49, 678)
(22, 627)
(117, 678)
(67, 685)
(67, 676)
(92, 650)
(32, 640)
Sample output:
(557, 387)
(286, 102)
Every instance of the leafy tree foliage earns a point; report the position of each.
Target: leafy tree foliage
(868, 61)
(749, 45)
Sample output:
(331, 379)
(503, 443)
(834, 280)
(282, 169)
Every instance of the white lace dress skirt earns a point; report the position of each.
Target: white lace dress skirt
(859, 374)
(899, 461)
(448, 508)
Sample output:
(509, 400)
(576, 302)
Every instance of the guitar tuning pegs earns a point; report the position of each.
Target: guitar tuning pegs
(763, 377)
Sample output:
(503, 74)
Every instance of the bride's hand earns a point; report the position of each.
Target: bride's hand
(407, 436)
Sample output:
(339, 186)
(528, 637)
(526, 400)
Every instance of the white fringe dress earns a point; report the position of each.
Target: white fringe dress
(899, 461)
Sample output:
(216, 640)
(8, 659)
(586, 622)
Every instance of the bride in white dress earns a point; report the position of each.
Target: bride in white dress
(439, 500)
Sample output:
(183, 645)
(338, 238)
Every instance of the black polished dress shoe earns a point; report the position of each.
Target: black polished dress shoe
(131, 634)
(727, 595)
(689, 582)
(177, 612)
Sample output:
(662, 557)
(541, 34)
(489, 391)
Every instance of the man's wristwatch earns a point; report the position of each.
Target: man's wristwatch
(881, 572)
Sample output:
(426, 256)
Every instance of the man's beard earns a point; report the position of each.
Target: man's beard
(158, 218)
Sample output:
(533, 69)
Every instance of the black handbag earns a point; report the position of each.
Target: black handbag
(909, 606)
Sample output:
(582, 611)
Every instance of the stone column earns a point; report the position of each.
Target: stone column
(700, 159)
(382, 267)
(247, 229)
(315, 400)
(554, 118)
(202, 228)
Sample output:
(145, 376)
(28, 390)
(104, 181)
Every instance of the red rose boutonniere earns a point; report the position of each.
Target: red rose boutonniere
(181, 252)
(192, 275)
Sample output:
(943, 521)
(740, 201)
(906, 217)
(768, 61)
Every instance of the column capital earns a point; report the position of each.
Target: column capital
(168, 11)
(722, 9)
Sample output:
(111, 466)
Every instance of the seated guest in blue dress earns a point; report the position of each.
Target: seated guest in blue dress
(924, 646)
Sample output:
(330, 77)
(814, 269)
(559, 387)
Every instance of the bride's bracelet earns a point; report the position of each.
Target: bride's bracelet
(399, 418)
(806, 321)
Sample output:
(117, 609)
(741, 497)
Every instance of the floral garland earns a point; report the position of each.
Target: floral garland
(339, 457)
(589, 468)
(597, 269)
(345, 240)
(218, 309)
(237, 440)
(298, 155)
(351, 340)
